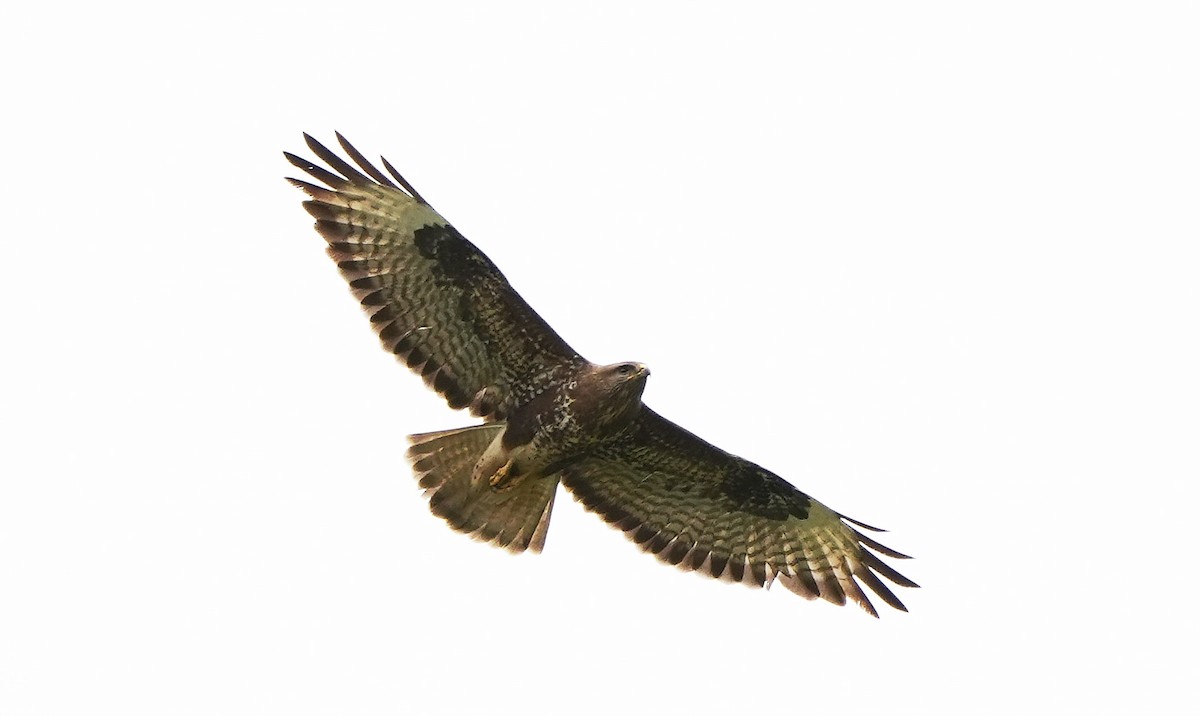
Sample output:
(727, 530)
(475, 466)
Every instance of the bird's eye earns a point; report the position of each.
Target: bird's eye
(625, 369)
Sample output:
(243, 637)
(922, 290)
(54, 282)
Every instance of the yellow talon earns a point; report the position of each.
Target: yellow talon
(501, 480)
(498, 478)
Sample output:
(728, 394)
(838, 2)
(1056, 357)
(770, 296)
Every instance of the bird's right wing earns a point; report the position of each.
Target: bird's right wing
(437, 303)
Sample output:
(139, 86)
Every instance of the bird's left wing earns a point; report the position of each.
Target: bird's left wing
(700, 508)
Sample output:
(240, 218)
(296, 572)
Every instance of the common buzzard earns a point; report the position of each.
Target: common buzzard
(550, 416)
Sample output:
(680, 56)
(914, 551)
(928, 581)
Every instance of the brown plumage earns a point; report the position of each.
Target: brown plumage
(551, 416)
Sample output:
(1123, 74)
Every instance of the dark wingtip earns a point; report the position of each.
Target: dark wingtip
(857, 595)
(878, 547)
(297, 161)
(884, 569)
(316, 172)
(337, 163)
(316, 192)
(362, 162)
(864, 525)
(403, 182)
(312, 143)
(351, 174)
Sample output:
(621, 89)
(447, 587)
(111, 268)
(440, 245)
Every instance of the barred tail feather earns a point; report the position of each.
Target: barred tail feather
(515, 518)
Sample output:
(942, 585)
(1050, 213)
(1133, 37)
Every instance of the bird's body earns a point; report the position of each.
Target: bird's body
(551, 416)
(590, 405)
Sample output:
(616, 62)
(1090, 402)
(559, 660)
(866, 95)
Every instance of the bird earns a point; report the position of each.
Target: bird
(549, 416)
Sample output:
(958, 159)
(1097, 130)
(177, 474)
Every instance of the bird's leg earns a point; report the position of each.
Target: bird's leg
(506, 477)
(500, 466)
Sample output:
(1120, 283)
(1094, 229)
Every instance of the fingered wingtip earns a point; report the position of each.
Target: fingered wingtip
(350, 175)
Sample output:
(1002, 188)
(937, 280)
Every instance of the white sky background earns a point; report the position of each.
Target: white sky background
(935, 265)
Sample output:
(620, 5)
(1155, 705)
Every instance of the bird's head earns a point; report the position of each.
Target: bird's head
(625, 379)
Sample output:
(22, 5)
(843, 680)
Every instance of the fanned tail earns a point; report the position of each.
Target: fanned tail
(514, 518)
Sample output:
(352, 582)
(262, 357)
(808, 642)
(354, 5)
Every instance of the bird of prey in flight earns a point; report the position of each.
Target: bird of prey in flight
(550, 416)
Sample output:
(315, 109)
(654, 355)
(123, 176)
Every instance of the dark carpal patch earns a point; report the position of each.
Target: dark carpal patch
(754, 490)
(457, 261)
(466, 309)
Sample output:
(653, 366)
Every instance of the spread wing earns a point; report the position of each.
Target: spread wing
(700, 508)
(435, 300)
